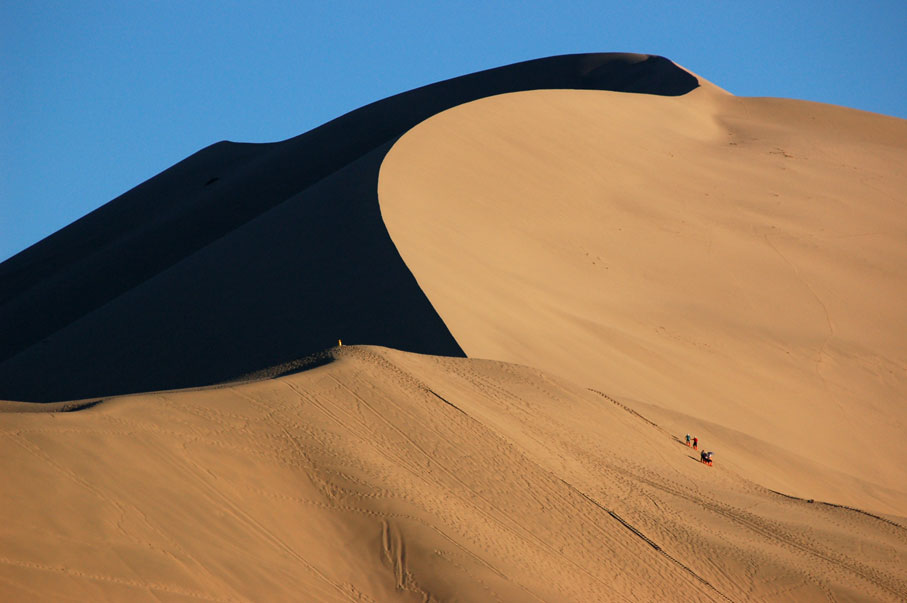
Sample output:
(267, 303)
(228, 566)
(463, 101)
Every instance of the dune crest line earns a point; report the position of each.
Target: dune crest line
(246, 256)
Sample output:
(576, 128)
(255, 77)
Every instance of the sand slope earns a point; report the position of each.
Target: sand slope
(734, 265)
(244, 256)
(392, 476)
(636, 253)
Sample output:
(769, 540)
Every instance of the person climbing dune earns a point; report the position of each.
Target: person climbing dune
(695, 443)
(688, 439)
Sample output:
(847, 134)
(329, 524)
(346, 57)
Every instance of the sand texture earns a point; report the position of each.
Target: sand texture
(736, 264)
(393, 476)
(549, 274)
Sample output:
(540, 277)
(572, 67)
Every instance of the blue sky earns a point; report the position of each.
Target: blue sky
(96, 97)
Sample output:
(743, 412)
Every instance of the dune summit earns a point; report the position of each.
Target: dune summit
(560, 267)
(244, 256)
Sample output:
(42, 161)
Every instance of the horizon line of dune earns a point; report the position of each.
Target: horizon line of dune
(582, 328)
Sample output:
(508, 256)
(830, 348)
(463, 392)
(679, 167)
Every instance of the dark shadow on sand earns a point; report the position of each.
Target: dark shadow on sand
(247, 256)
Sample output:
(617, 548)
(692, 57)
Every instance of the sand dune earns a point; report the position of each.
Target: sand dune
(738, 261)
(624, 251)
(244, 256)
(392, 476)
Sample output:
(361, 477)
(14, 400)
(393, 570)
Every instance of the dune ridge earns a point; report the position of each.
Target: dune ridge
(129, 279)
(384, 476)
(739, 262)
(565, 265)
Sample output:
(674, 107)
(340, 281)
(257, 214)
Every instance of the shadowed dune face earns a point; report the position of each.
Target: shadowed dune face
(740, 261)
(387, 476)
(284, 285)
(690, 261)
(167, 286)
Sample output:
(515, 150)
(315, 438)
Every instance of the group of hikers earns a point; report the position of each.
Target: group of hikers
(704, 457)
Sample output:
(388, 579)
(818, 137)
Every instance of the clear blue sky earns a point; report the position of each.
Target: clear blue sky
(96, 97)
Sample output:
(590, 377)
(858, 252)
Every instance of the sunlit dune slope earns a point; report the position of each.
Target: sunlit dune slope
(392, 476)
(625, 252)
(243, 256)
(735, 266)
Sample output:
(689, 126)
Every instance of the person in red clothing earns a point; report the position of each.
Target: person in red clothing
(695, 443)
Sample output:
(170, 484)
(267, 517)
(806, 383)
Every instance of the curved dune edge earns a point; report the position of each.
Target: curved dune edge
(244, 257)
(730, 265)
(393, 476)
(385, 475)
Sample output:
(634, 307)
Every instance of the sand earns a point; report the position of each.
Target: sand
(623, 253)
(734, 264)
(244, 256)
(392, 476)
